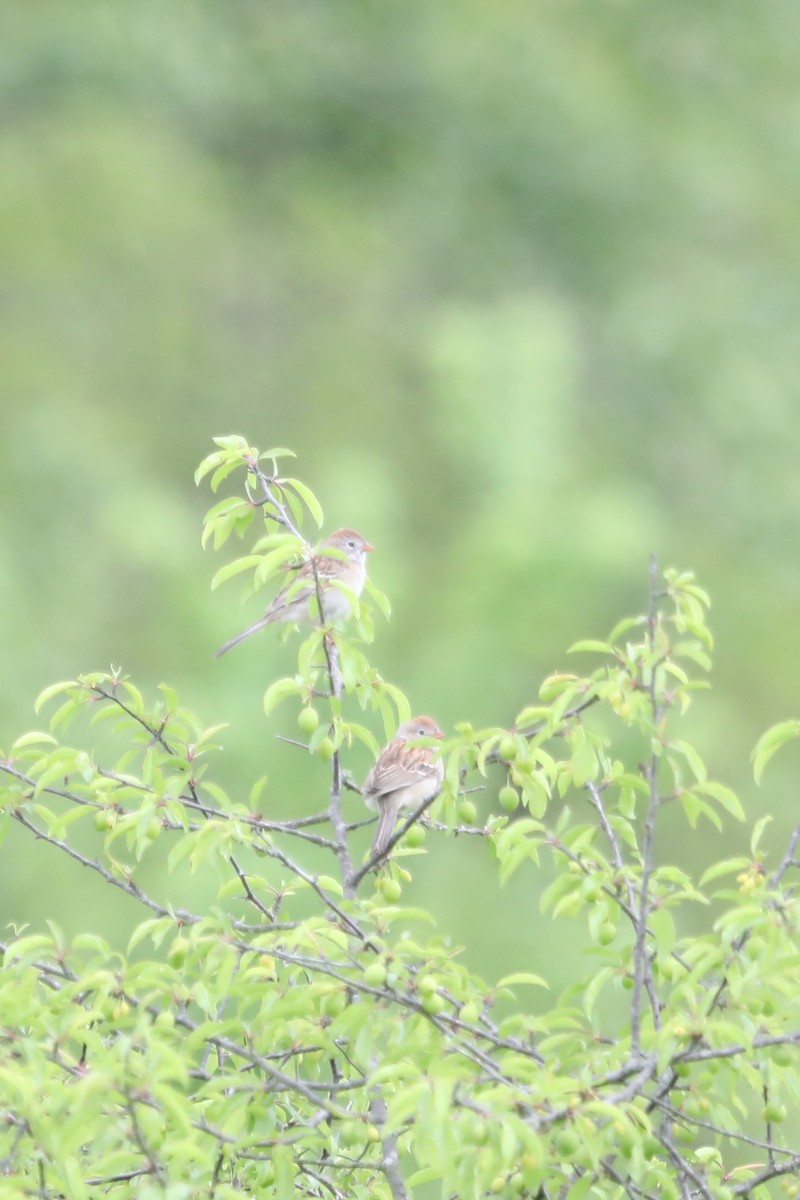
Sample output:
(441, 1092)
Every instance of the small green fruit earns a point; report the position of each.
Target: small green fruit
(651, 1146)
(427, 984)
(566, 1142)
(152, 829)
(606, 933)
(351, 1133)
(507, 798)
(308, 720)
(333, 1003)
(325, 749)
(466, 811)
(375, 975)
(105, 819)
(469, 1014)
(479, 1132)
(782, 1056)
(773, 1112)
(176, 955)
(415, 837)
(432, 1003)
(508, 748)
(391, 889)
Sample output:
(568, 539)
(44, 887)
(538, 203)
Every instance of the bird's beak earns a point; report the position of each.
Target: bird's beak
(439, 735)
(367, 547)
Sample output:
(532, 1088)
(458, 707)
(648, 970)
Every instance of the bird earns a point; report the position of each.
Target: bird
(296, 601)
(404, 776)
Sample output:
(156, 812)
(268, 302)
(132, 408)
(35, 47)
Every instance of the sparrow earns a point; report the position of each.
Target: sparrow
(404, 776)
(296, 601)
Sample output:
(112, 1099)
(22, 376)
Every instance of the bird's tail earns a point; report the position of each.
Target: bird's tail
(261, 623)
(387, 819)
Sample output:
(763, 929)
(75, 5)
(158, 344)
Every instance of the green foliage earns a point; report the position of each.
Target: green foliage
(311, 1034)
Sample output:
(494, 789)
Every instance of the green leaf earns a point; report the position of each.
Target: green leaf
(309, 499)
(234, 568)
(771, 741)
(232, 441)
(724, 796)
(728, 866)
(282, 558)
(222, 472)
(380, 599)
(590, 646)
(53, 690)
(522, 977)
(279, 691)
(33, 738)
(662, 926)
(758, 829)
(209, 463)
(694, 760)
(623, 627)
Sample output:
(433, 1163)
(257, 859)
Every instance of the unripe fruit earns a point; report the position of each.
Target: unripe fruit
(606, 933)
(308, 720)
(120, 1010)
(479, 1131)
(507, 798)
(105, 819)
(415, 837)
(508, 748)
(164, 1020)
(375, 975)
(426, 983)
(152, 829)
(432, 1003)
(774, 1112)
(466, 811)
(566, 1142)
(651, 1146)
(497, 1185)
(325, 749)
(176, 955)
(469, 1014)
(391, 889)
(333, 1003)
(351, 1133)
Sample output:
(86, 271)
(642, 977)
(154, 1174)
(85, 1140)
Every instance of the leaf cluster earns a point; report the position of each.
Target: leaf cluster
(311, 1033)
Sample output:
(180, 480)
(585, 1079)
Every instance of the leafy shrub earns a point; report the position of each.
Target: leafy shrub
(309, 1035)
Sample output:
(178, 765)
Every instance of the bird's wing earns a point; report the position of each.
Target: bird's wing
(295, 592)
(328, 567)
(401, 766)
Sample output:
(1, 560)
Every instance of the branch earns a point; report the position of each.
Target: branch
(642, 979)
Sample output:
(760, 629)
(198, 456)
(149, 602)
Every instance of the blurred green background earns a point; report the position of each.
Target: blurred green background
(519, 284)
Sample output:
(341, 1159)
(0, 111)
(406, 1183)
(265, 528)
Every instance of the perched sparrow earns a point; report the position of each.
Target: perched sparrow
(403, 777)
(296, 601)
